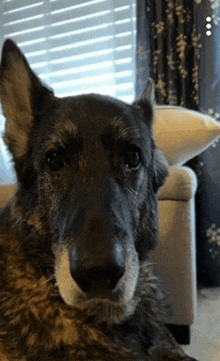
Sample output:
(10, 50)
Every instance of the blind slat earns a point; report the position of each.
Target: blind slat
(94, 58)
(17, 6)
(64, 5)
(73, 16)
(31, 26)
(70, 34)
(24, 14)
(86, 70)
(99, 71)
(86, 51)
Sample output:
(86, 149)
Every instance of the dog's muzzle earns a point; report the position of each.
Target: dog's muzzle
(98, 275)
(97, 261)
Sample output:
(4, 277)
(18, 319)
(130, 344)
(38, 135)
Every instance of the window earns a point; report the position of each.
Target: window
(79, 46)
(76, 46)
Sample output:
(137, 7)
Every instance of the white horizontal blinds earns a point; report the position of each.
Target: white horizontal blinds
(78, 46)
(91, 50)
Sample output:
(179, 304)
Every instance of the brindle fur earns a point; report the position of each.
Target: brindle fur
(74, 193)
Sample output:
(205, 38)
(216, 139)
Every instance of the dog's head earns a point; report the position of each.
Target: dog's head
(88, 173)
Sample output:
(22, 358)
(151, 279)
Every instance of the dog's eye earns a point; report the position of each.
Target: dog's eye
(55, 161)
(132, 158)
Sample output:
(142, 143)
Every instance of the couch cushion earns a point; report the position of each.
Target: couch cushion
(180, 185)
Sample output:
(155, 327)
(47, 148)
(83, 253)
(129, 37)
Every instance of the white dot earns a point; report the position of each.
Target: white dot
(208, 18)
(208, 33)
(208, 26)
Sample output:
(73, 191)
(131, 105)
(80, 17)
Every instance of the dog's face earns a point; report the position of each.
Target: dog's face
(88, 172)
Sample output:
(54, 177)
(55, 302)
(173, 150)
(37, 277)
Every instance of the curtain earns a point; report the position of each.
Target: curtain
(178, 46)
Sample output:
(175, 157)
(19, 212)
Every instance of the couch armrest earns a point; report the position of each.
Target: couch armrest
(180, 185)
(175, 254)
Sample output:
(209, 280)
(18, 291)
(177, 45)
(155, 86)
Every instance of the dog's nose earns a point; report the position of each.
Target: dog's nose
(98, 281)
(100, 275)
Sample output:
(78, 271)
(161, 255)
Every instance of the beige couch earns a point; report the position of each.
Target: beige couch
(174, 255)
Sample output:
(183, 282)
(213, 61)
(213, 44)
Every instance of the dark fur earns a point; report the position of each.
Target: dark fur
(88, 172)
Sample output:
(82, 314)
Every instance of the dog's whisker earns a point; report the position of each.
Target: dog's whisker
(51, 278)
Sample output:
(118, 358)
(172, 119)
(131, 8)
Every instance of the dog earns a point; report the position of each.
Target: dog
(76, 283)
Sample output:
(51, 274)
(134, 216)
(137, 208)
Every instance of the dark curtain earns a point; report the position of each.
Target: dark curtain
(178, 45)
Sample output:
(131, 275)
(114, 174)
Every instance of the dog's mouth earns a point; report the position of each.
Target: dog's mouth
(104, 298)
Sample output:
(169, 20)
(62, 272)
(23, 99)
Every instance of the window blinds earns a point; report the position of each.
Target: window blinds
(78, 46)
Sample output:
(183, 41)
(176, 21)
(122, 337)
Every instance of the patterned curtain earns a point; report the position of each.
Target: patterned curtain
(178, 45)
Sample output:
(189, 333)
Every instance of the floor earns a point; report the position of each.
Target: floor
(205, 332)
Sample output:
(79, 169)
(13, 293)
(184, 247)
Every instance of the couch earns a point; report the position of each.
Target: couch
(175, 253)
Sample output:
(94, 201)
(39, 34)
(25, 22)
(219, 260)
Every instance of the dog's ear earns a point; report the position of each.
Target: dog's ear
(149, 92)
(161, 169)
(22, 93)
(146, 102)
(145, 105)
